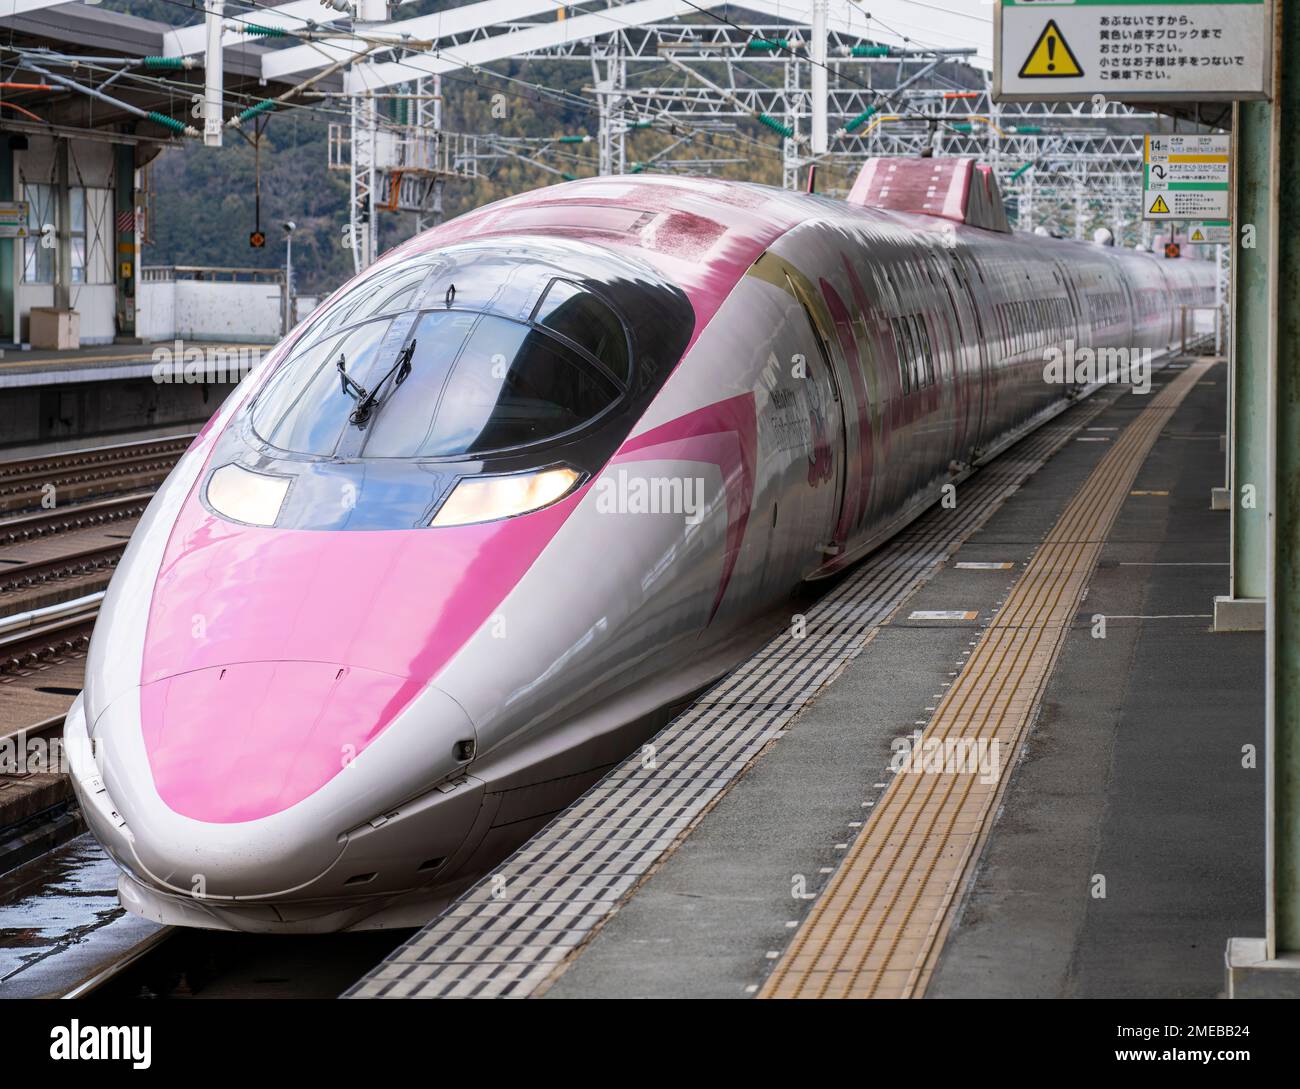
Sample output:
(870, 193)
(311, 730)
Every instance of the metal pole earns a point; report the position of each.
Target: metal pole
(818, 59)
(1218, 300)
(362, 226)
(1282, 699)
(604, 133)
(1253, 284)
(288, 281)
(212, 73)
(63, 216)
(790, 146)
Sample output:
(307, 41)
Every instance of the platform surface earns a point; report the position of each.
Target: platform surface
(98, 363)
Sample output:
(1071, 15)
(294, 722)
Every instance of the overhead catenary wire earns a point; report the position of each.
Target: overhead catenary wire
(117, 103)
(540, 90)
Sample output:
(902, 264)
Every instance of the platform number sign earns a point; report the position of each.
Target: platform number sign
(257, 239)
(1186, 176)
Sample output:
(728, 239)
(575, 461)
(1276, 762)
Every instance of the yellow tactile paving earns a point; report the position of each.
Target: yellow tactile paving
(877, 929)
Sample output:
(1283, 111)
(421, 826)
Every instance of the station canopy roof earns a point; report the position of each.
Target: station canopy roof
(102, 36)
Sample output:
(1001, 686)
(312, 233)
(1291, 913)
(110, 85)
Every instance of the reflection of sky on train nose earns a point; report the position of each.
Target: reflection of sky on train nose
(60, 920)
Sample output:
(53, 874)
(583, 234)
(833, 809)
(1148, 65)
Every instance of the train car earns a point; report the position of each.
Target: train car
(526, 485)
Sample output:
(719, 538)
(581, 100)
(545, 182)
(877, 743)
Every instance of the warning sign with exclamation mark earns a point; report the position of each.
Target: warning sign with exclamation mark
(1051, 57)
(1124, 51)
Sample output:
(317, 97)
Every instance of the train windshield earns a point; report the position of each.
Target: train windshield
(449, 383)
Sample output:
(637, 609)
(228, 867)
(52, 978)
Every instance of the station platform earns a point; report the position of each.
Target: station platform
(802, 831)
(98, 363)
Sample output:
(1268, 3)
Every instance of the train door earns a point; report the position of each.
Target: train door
(828, 458)
(1076, 308)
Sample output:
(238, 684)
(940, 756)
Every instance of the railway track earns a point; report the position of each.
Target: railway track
(37, 809)
(30, 638)
(72, 461)
(112, 973)
(33, 483)
(81, 516)
(57, 511)
(180, 962)
(54, 513)
(82, 561)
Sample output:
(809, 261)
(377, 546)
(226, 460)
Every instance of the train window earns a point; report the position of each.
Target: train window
(403, 427)
(509, 385)
(900, 352)
(930, 377)
(476, 383)
(903, 349)
(305, 410)
(920, 378)
(585, 319)
(286, 385)
(915, 380)
(389, 292)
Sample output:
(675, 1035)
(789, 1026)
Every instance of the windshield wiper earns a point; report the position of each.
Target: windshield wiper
(348, 383)
(366, 402)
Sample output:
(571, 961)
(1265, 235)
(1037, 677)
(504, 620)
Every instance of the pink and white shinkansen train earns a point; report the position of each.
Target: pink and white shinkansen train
(515, 493)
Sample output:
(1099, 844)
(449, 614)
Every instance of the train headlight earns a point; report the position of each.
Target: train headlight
(246, 496)
(488, 498)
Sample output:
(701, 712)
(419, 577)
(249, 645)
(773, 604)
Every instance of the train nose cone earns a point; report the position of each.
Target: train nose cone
(243, 778)
(240, 742)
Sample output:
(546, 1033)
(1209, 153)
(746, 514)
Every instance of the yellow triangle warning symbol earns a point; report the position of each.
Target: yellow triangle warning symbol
(1197, 236)
(1159, 207)
(1051, 57)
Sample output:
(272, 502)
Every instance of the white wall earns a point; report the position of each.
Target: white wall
(97, 306)
(155, 310)
(208, 310)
